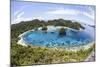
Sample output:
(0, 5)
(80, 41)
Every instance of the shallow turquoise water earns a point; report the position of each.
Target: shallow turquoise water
(52, 38)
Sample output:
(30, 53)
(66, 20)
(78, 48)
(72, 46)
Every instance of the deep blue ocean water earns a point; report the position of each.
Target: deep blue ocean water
(52, 38)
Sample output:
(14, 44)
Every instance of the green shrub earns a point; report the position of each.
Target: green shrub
(44, 28)
(62, 32)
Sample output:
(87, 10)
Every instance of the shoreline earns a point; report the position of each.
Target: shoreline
(50, 28)
(87, 46)
(76, 48)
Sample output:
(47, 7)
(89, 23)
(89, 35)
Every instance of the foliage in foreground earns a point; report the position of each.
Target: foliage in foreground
(21, 55)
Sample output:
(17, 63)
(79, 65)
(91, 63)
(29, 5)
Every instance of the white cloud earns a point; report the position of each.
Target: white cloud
(18, 20)
(72, 12)
(39, 17)
(20, 14)
(91, 13)
(56, 13)
(18, 17)
(91, 16)
(64, 11)
(20, 10)
(16, 12)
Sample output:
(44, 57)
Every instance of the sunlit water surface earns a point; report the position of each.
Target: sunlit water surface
(52, 38)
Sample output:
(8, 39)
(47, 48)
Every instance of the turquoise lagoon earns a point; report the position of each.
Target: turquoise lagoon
(52, 39)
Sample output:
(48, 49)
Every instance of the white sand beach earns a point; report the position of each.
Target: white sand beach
(50, 28)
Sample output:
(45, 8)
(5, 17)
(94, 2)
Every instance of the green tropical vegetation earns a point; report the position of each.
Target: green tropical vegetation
(44, 28)
(22, 55)
(62, 32)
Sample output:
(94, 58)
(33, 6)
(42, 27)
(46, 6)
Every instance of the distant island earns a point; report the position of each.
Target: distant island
(92, 26)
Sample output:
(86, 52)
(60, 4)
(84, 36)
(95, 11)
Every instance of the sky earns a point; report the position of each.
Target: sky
(24, 11)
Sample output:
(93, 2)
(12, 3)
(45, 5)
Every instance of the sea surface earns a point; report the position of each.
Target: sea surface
(52, 38)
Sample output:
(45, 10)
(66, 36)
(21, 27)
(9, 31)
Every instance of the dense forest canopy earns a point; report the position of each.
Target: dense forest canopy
(23, 26)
